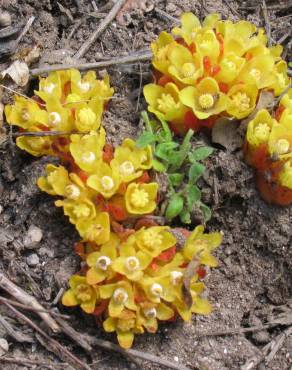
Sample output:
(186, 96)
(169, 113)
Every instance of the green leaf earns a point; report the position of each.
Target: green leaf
(167, 132)
(185, 216)
(207, 213)
(200, 154)
(196, 170)
(145, 139)
(290, 64)
(158, 166)
(176, 178)
(175, 206)
(193, 195)
(162, 150)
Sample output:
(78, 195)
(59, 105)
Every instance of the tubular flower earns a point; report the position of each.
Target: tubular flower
(149, 313)
(141, 198)
(280, 141)
(230, 67)
(281, 77)
(121, 296)
(96, 230)
(144, 155)
(88, 115)
(131, 263)
(286, 100)
(56, 180)
(105, 180)
(53, 85)
(242, 100)
(205, 99)
(87, 150)
(190, 25)
(37, 146)
(100, 262)
(160, 49)
(285, 176)
(126, 164)
(77, 210)
(207, 44)
(164, 102)
(81, 294)
(25, 113)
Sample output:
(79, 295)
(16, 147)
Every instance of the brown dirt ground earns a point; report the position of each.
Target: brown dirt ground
(253, 279)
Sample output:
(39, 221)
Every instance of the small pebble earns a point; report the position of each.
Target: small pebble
(175, 358)
(33, 237)
(4, 346)
(32, 260)
(5, 19)
(170, 8)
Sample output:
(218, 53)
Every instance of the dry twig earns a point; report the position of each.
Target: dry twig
(23, 297)
(102, 26)
(26, 362)
(267, 21)
(143, 55)
(17, 335)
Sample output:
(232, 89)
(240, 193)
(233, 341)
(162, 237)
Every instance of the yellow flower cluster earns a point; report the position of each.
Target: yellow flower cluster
(142, 281)
(211, 69)
(135, 275)
(268, 148)
(65, 102)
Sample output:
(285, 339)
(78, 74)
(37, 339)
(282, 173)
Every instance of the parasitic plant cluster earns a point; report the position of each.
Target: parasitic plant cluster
(268, 148)
(135, 272)
(204, 71)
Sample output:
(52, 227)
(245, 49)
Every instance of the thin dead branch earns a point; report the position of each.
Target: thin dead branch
(26, 299)
(32, 363)
(132, 58)
(15, 334)
(267, 21)
(102, 26)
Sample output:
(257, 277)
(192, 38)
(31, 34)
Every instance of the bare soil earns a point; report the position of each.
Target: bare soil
(253, 280)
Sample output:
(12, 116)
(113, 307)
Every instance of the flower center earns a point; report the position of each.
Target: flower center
(262, 132)
(150, 313)
(72, 191)
(176, 277)
(132, 263)
(25, 115)
(139, 198)
(88, 157)
(81, 210)
(54, 118)
(93, 232)
(156, 290)
(126, 168)
(188, 70)
(152, 239)
(103, 262)
(107, 183)
(83, 292)
(120, 296)
(73, 98)
(206, 101)
(87, 117)
(166, 103)
(49, 88)
(255, 73)
(241, 100)
(84, 86)
(282, 146)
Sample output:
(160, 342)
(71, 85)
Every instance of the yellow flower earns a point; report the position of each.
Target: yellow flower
(258, 71)
(126, 164)
(185, 67)
(52, 86)
(77, 209)
(131, 263)
(88, 115)
(59, 118)
(56, 180)
(207, 44)
(124, 326)
(164, 101)
(25, 113)
(87, 149)
(286, 100)
(153, 240)
(141, 198)
(105, 180)
(100, 262)
(280, 140)
(242, 100)
(149, 313)
(205, 99)
(121, 296)
(160, 49)
(81, 293)
(259, 129)
(154, 289)
(144, 155)
(285, 176)
(230, 66)
(201, 245)
(281, 77)
(190, 25)
(37, 146)
(96, 230)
